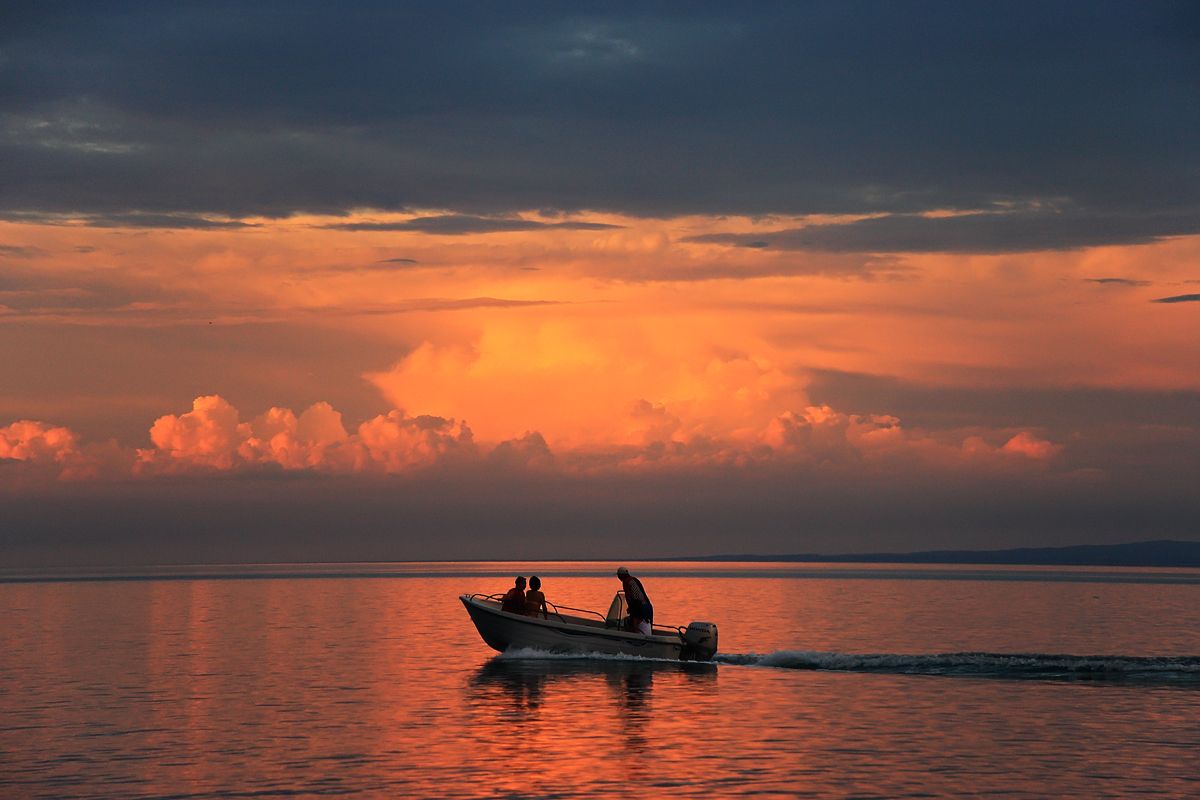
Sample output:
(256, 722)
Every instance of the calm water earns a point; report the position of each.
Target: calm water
(833, 681)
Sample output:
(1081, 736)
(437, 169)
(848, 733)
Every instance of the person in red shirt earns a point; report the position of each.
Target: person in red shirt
(514, 601)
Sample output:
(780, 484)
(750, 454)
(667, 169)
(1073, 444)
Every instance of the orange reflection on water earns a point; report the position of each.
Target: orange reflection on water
(380, 686)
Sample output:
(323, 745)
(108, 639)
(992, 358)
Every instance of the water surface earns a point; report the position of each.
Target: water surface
(369, 680)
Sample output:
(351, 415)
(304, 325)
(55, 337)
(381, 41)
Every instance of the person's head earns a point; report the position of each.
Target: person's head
(622, 573)
(521, 582)
(535, 583)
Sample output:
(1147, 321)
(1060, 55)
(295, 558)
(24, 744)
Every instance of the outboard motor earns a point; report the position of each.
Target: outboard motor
(700, 641)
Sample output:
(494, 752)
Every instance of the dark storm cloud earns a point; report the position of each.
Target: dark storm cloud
(657, 109)
(1124, 282)
(21, 251)
(1004, 232)
(461, 224)
(401, 261)
(1179, 298)
(127, 219)
(1062, 412)
(142, 220)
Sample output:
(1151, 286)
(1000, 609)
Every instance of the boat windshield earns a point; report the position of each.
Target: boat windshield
(617, 612)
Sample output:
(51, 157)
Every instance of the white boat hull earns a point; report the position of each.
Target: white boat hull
(503, 631)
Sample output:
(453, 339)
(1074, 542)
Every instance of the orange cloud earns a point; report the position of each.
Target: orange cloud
(212, 438)
(588, 381)
(396, 442)
(55, 450)
(1030, 446)
(38, 443)
(206, 436)
(658, 352)
(1023, 447)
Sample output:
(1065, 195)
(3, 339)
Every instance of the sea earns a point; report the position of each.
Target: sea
(369, 680)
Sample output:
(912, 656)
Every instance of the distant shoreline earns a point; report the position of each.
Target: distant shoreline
(1159, 553)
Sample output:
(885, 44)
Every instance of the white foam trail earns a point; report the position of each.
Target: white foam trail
(1185, 669)
(980, 664)
(532, 654)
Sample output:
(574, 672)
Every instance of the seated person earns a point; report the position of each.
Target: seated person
(514, 601)
(535, 601)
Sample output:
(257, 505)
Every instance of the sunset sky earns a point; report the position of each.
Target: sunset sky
(286, 281)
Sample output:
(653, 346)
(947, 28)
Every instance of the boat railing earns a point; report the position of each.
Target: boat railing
(655, 630)
(553, 607)
(558, 614)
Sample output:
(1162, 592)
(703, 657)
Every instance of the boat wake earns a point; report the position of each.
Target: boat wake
(533, 654)
(1173, 669)
(1037, 666)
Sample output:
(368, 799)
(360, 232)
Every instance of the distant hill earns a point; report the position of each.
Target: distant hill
(1162, 553)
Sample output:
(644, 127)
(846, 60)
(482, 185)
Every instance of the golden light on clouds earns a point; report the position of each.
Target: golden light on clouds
(592, 334)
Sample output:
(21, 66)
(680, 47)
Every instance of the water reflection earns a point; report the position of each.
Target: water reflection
(384, 689)
(522, 684)
(545, 697)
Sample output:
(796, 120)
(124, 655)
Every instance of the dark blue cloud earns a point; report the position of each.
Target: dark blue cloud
(1122, 282)
(642, 108)
(1001, 232)
(462, 224)
(1179, 298)
(126, 219)
(20, 251)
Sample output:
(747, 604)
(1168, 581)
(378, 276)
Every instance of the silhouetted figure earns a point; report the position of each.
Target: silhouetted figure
(641, 612)
(535, 601)
(514, 601)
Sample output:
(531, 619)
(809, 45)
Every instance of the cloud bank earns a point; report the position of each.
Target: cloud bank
(160, 115)
(212, 438)
(462, 225)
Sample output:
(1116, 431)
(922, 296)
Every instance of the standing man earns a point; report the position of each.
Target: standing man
(641, 612)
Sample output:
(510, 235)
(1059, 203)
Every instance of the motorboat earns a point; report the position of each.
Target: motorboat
(575, 630)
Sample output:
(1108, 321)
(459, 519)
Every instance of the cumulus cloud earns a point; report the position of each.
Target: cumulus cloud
(823, 435)
(315, 439)
(206, 436)
(213, 438)
(528, 452)
(26, 440)
(574, 380)
(1030, 446)
(395, 442)
(55, 450)
(1023, 447)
